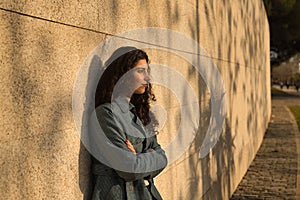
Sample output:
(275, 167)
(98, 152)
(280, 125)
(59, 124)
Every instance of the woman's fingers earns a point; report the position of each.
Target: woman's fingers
(130, 146)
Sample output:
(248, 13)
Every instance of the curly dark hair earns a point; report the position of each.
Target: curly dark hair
(120, 62)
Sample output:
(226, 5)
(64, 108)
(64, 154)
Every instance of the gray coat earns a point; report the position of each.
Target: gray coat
(118, 123)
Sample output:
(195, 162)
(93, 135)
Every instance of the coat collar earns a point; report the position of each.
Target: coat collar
(123, 104)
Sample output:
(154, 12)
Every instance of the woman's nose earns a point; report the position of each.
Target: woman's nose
(147, 77)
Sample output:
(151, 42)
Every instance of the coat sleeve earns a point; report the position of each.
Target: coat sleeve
(154, 146)
(114, 132)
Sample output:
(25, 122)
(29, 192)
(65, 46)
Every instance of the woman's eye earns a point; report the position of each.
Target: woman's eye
(141, 71)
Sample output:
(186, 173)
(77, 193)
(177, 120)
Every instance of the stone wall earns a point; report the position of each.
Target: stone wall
(46, 43)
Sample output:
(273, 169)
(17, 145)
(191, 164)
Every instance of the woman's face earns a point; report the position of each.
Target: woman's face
(141, 77)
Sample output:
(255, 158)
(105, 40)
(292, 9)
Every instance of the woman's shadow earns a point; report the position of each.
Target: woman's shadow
(87, 85)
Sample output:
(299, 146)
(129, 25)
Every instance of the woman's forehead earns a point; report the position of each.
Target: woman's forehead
(142, 62)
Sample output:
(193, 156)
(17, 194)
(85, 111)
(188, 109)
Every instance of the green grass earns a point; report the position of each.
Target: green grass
(296, 112)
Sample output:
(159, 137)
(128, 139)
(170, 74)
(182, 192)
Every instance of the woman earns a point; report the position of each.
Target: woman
(122, 104)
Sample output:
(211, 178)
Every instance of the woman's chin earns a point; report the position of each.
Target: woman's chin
(140, 90)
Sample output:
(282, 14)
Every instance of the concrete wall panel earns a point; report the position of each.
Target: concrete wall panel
(45, 43)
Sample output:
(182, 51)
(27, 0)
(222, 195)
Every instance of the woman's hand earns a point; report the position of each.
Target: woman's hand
(130, 146)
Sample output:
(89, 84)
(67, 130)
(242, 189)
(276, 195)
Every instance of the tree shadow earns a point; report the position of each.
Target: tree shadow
(37, 134)
(252, 92)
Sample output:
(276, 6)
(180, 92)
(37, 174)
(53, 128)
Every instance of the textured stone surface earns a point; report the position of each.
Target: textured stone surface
(44, 44)
(274, 171)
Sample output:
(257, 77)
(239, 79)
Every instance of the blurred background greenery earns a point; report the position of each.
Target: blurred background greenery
(284, 21)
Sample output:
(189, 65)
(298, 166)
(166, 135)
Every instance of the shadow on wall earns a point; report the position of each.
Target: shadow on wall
(254, 100)
(86, 181)
(222, 153)
(22, 99)
(33, 149)
(213, 185)
(247, 79)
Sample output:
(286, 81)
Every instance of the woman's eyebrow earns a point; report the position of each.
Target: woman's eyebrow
(146, 67)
